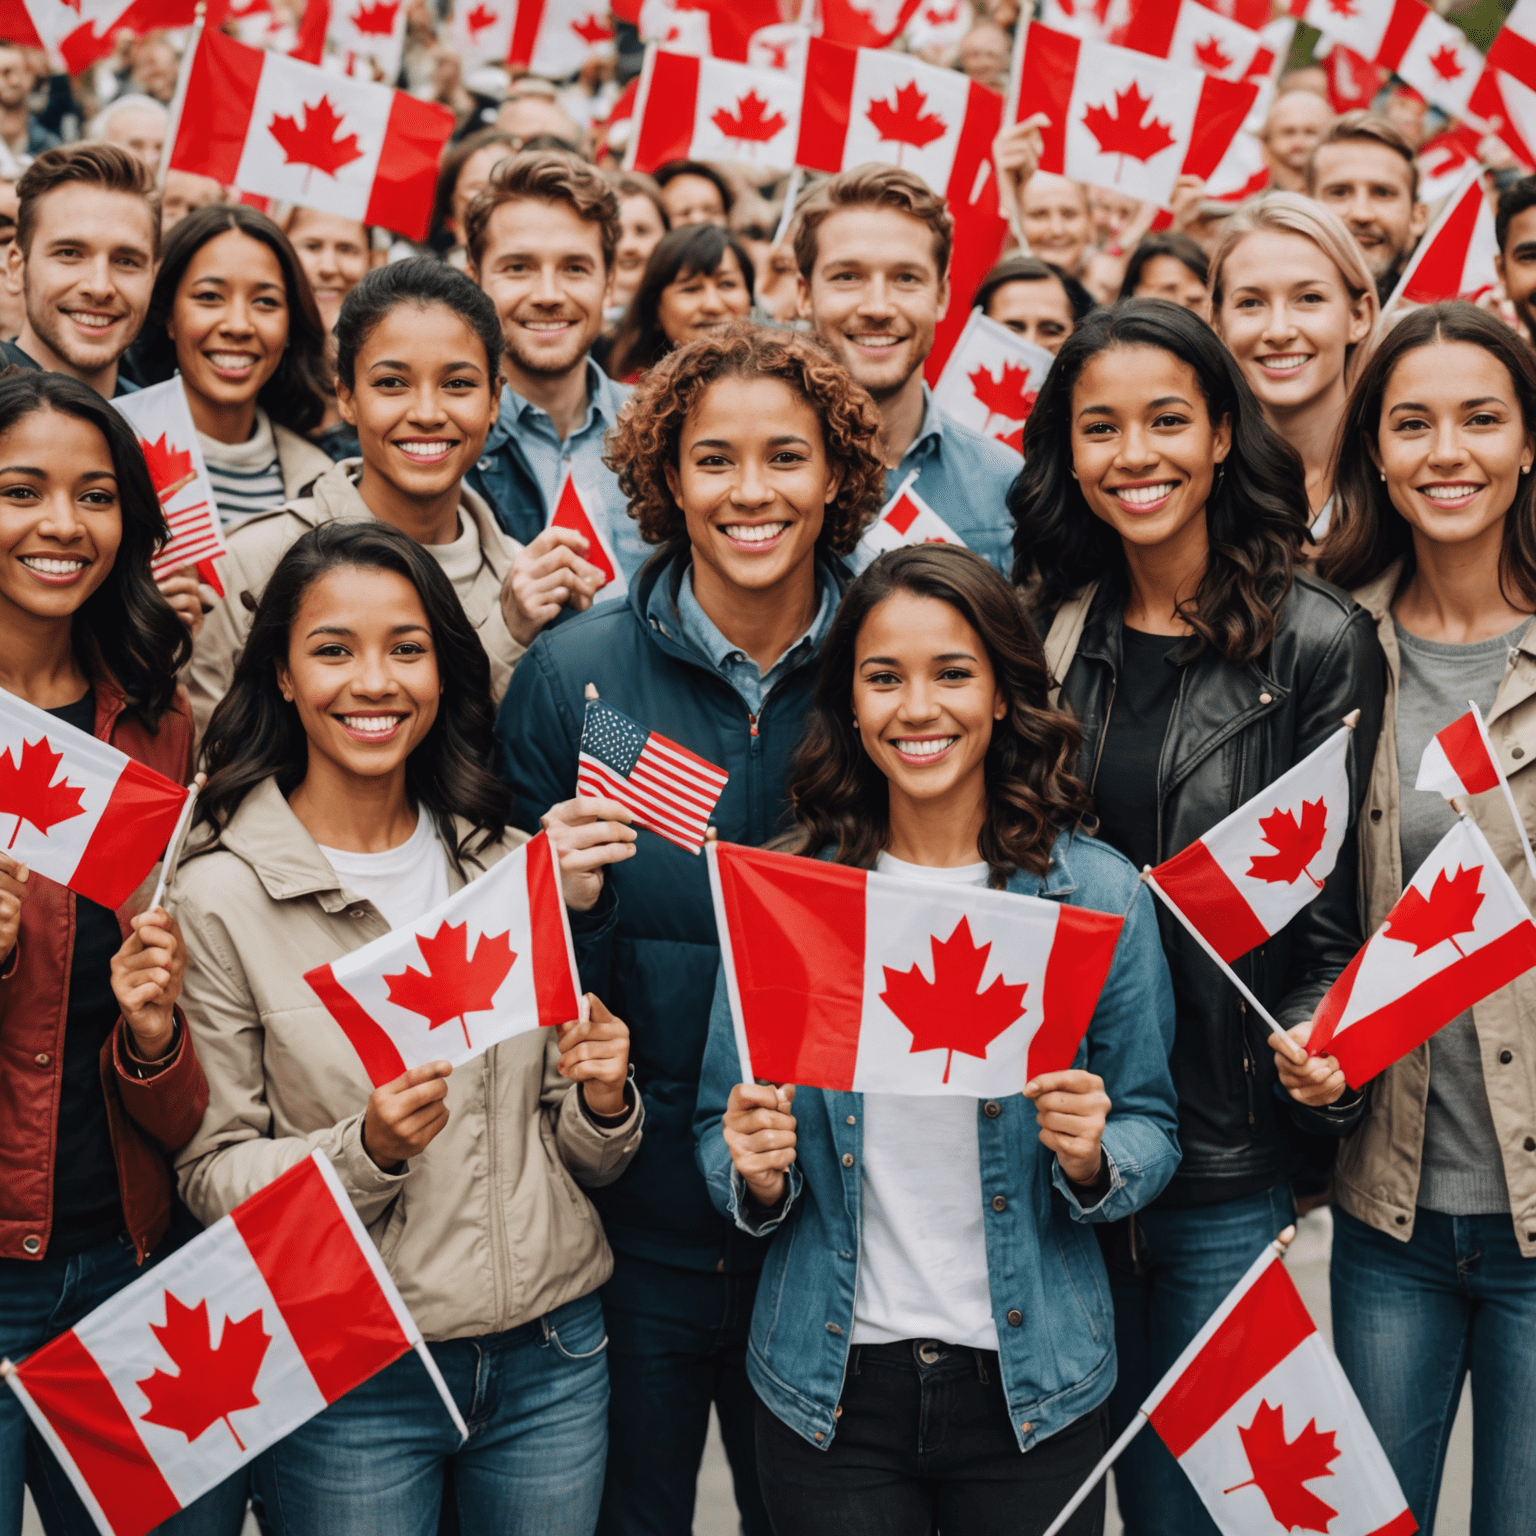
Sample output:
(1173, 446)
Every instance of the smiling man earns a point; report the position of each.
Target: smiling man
(83, 262)
(873, 248)
(1515, 229)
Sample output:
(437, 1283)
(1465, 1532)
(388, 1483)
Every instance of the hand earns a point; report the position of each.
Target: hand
(595, 1053)
(13, 891)
(1315, 1081)
(1071, 1108)
(759, 1130)
(182, 591)
(587, 832)
(547, 575)
(1183, 202)
(146, 980)
(1016, 154)
(402, 1117)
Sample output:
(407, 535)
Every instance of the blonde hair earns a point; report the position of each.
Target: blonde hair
(1290, 213)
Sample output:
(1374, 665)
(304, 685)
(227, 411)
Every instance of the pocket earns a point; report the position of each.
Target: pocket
(576, 1330)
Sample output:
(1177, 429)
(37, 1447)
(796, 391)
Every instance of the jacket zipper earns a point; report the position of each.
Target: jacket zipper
(498, 1275)
(1114, 683)
(1248, 1072)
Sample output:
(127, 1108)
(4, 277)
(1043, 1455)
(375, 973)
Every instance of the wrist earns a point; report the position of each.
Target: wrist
(149, 1046)
(767, 1190)
(377, 1161)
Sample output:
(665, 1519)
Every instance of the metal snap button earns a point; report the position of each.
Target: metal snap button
(847, 1159)
(1265, 698)
(928, 1353)
(991, 1110)
(999, 1203)
(852, 1119)
(1517, 752)
(1015, 1319)
(483, 464)
(31, 1245)
(1506, 1057)
(42, 1058)
(833, 1328)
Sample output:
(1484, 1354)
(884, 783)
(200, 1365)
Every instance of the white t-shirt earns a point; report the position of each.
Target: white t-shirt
(923, 1257)
(460, 560)
(404, 882)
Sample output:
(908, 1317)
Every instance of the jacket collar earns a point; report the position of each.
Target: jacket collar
(1376, 596)
(604, 397)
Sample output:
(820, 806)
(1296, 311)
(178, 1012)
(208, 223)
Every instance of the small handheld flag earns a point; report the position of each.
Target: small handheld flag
(905, 519)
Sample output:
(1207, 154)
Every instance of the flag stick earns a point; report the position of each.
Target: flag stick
(442, 1389)
(173, 848)
(1292, 1049)
(179, 99)
(791, 193)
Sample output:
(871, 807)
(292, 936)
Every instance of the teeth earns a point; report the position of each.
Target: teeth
(94, 322)
(547, 325)
(232, 360)
(1449, 492)
(370, 723)
(931, 747)
(754, 533)
(50, 567)
(876, 341)
(1144, 495)
(1287, 361)
(420, 450)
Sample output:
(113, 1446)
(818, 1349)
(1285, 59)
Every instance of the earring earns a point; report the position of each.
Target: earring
(1525, 469)
(855, 722)
(1383, 477)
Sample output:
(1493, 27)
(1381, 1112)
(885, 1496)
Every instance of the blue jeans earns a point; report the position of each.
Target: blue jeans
(1183, 1265)
(38, 1301)
(679, 1343)
(535, 1399)
(1409, 1321)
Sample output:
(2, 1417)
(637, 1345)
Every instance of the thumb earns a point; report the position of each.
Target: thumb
(599, 1013)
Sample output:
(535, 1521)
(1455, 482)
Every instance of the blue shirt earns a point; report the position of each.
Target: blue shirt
(964, 476)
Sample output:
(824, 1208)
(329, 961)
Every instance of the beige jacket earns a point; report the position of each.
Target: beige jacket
(300, 461)
(1377, 1176)
(488, 1228)
(256, 547)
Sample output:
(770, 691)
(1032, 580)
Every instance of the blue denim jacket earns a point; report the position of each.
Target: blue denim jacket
(1050, 1295)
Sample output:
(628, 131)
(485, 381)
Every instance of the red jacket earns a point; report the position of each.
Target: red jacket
(148, 1117)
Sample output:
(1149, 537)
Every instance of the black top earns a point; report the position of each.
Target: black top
(11, 356)
(1125, 788)
(87, 1208)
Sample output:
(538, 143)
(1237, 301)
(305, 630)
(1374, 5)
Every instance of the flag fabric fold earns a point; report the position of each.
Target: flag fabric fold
(1455, 258)
(571, 512)
(1408, 38)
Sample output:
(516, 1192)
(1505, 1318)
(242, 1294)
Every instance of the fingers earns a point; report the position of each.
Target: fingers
(12, 870)
(557, 563)
(1071, 1082)
(555, 538)
(584, 810)
(753, 1095)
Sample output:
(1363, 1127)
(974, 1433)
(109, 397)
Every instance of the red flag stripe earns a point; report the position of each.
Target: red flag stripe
(1407, 18)
(702, 766)
(554, 978)
(665, 129)
(1403, 1525)
(667, 784)
(1202, 890)
(525, 31)
(1223, 106)
(129, 837)
(1515, 55)
(405, 182)
(379, 1054)
(829, 81)
(593, 779)
(1463, 745)
(1045, 85)
(1081, 954)
(221, 96)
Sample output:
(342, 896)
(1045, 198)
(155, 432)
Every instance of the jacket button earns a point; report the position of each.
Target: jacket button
(31, 1245)
(819, 1435)
(991, 1110)
(1506, 1057)
(852, 1119)
(1402, 1221)
(42, 1058)
(1025, 1427)
(1265, 698)
(847, 1159)
(1517, 751)
(1015, 1319)
(1530, 1143)
(484, 464)
(837, 1412)
(999, 1203)
(833, 1328)
(1376, 814)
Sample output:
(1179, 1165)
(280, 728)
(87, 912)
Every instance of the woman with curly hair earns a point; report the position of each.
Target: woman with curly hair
(748, 459)
(931, 753)
(1159, 517)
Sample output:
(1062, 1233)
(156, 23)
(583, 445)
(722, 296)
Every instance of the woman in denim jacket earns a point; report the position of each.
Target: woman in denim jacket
(933, 1339)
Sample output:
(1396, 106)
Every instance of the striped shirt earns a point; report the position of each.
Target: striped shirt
(247, 477)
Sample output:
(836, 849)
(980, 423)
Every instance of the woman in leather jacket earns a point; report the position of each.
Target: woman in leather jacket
(1158, 523)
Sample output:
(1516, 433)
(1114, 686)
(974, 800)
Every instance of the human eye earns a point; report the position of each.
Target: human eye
(388, 381)
(19, 492)
(410, 649)
(1170, 419)
(331, 650)
(98, 498)
(956, 675)
(882, 679)
(1485, 419)
(790, 456)
(1406, 424)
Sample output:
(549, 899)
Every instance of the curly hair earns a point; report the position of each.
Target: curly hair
(840, 800)
(648, 436)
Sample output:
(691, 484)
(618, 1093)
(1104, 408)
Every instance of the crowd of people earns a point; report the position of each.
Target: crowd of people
(1248, 506)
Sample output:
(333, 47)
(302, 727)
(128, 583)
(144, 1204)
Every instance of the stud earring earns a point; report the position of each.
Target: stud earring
(1383, 477)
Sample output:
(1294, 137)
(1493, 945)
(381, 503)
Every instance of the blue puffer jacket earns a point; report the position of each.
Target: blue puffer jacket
(1050, 1294)
(649, 948)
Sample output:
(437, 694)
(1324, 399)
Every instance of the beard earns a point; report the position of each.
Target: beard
(548, 361)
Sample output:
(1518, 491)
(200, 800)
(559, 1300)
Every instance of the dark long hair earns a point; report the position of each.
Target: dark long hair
(1367, 533)
(1256, 514)
(255, 733)
(295, 394)
(640, 342)
(840, 799)
(125, 627)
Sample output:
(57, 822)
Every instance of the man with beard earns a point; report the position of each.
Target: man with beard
(541, 239)
(1515, 227)
(873, 247)
(1366, 172)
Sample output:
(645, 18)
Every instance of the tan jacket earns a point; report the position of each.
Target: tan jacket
(1377, 1176)
(256, 547)
(488, 1228)
(299, 460)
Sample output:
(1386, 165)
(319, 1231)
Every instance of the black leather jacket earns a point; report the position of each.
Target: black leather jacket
(1234, 730)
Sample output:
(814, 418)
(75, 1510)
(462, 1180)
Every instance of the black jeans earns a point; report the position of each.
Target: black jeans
(924, 1442)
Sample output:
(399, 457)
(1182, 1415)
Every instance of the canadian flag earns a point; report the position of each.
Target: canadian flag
(481, 31)
(1093, 20)
(692, 108)
(168, 438)
(492, 961)
(75, 33)
(781, 46)
(367, 36)
(1262, 1419)
(1197, 37)
(284, 129)
(1352, 79)
(1514, 49)
(219, 1351)
(1459, 932)
(1460, 759)
(718, 27)
(1444, 162)
(571, 512)
(1123, 119)
(1454, 260)
(1253, 872)
(938, 24)
(991, 379)
(865, 23)
(840, 978)
(1410, 39)
(905, 519)
(1508, 106)
(555, 38)
(85, 815)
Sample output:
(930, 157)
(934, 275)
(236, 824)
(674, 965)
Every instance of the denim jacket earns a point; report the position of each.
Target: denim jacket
(1050, 1294)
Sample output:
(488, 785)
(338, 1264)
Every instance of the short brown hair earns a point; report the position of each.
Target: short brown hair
(1362, 127)
(649, 434)
(546, 176)
(874, 186)
(103, 166)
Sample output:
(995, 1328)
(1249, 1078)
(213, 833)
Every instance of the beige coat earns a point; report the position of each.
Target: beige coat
(1377, 1177)
(256, 547)
(488, 1228)
(299, 460)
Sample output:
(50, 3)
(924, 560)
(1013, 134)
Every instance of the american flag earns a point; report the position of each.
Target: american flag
(665, 787)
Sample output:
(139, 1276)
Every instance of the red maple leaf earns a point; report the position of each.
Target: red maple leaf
(169, 467)
(937, 18)
(1127, 130)
(377, 20)
(1282, 1468)
(1451, 909)
(592, 29)
(750, 122)
(1209, 56)
(949, 1013)
(213, 1383)
(1296, 846)
(1445, 63)
(1343, 7)
(1007, 396)
(317, 144)
(28, 792)
(904, 121)
(479, 19)
(455, 984)
(1015, 439)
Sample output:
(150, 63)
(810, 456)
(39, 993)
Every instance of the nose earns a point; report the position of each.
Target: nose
(98, 275)
(426, 406)
(876, 298)
(1446, 450)
(61, 518)
(1137, 450)
(1358, 209)
(751, 491)
(236, 319)
(711, 302)
(1278, 324)
(373, 678)
(920, 702)
(549, 286)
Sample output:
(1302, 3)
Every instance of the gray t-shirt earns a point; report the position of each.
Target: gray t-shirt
(1463, 1171)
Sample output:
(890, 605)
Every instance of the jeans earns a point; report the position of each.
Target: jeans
(924, 1443)
(1183, 1264)
(679, 1344)
(535, 1399)
(38, 1301)
(1409, 1321)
